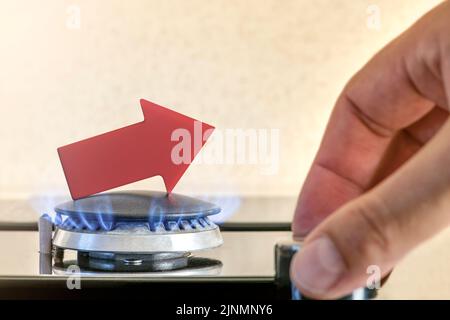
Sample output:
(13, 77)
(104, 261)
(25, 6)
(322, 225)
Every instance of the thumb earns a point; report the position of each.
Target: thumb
(378, 228)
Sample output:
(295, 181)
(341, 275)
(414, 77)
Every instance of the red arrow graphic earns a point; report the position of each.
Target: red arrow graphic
(135, 152)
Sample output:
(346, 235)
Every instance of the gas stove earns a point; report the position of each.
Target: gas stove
(126, 244)
(134, 231)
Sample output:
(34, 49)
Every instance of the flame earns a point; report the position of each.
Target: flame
(229, 205)
(45, 204)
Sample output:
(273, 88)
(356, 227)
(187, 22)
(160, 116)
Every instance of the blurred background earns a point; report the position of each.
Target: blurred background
(74, 69)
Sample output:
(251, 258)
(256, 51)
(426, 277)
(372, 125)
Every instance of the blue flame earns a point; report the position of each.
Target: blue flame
(46, 203)
(229, 205)
(103, 221)
(101, 212)
(155, 214)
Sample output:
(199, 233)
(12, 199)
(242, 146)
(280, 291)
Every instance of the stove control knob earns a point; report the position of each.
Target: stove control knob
(284, 251)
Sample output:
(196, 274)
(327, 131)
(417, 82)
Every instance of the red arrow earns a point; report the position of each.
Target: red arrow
(142, 150)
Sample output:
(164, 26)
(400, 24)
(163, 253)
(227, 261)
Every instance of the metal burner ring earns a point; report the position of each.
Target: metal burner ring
(138, 243)
(105, 261)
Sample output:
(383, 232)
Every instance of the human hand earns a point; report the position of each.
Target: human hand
(380, 182)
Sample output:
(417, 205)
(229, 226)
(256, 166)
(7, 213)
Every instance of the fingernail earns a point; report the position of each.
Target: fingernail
(318, 266)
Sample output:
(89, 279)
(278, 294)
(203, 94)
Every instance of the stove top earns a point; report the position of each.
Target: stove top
(160, 246)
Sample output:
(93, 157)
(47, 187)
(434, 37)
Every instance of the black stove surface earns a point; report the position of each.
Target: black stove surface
(244, 266)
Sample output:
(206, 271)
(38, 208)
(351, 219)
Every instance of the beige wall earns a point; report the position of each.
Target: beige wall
(232, 63)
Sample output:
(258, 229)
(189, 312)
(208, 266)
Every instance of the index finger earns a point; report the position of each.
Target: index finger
(389, 94)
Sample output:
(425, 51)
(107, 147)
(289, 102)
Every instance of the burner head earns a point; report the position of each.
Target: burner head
(137, 205)
(136, 222)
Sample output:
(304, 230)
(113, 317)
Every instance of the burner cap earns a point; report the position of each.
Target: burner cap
(138, 205)
(138, 222)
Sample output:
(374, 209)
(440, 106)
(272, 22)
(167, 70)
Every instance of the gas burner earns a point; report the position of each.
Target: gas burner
(119, 262)
(136, 231)
(195, 266)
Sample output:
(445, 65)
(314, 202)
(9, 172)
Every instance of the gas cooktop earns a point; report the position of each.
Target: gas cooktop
(126, 244)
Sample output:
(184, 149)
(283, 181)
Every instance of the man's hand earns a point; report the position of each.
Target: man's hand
(380, 183)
